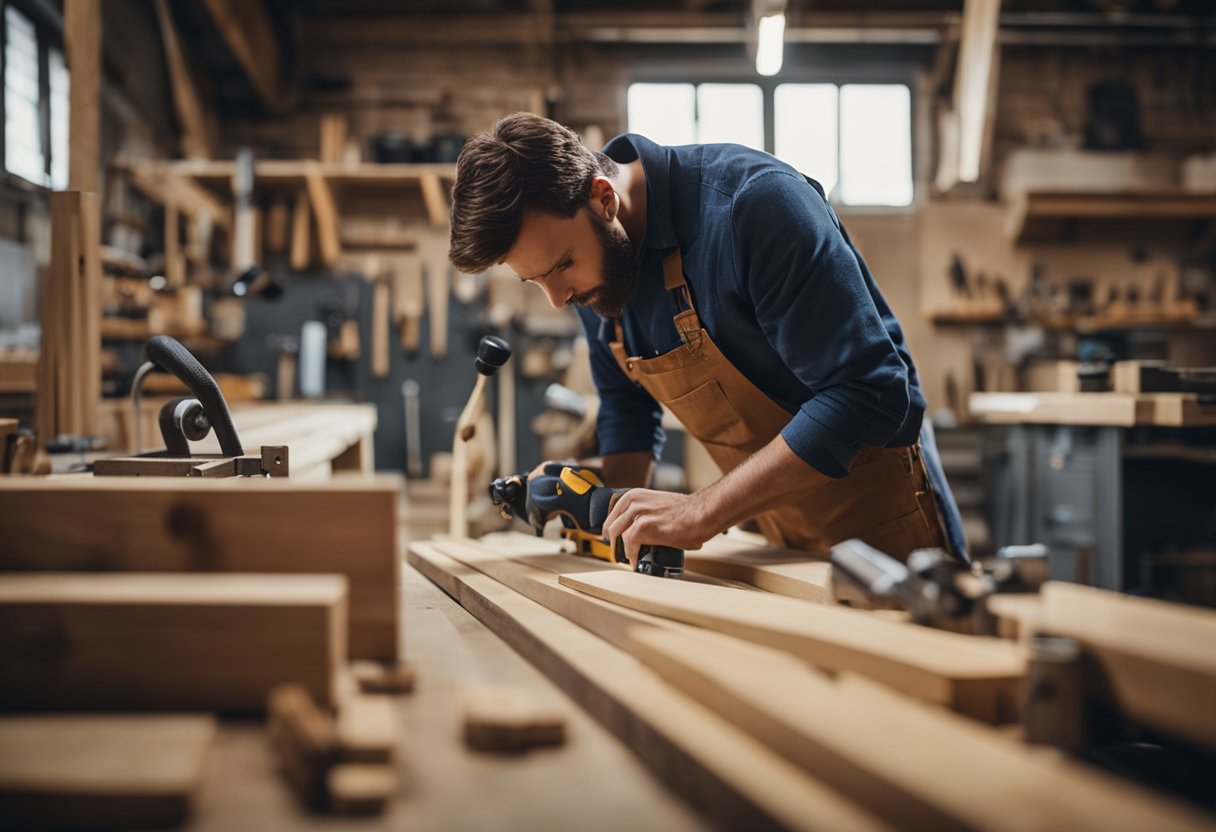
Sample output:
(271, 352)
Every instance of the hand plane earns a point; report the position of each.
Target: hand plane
(581, 499)
(187, 418)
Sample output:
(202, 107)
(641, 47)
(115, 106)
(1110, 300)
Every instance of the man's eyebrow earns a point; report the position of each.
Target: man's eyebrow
(561, 259)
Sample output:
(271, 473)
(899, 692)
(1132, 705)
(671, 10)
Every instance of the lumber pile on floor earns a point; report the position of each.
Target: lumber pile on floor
(726, 694)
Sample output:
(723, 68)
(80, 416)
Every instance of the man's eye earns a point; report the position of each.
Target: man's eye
(566, 265)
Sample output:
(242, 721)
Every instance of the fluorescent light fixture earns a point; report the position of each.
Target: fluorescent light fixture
(770, 44)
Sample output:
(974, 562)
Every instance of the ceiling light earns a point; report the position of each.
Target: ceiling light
(770, 44)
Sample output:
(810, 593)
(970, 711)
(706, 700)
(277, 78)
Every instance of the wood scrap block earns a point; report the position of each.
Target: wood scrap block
(976, 676)
(305, 740)
(275, 525)
(360, 788)
(509, 719)
(368, 729)
(383, 677)
(167, 642)
(91, 772)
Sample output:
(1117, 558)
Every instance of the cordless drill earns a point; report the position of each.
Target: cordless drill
(581, 499)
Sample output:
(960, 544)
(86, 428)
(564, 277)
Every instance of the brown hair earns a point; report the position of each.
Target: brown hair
(525, 162)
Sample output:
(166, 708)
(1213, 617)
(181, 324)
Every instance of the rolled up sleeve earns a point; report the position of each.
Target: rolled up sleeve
(811, 300)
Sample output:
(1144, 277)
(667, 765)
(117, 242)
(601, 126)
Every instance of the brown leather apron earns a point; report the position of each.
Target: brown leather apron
(885, 500)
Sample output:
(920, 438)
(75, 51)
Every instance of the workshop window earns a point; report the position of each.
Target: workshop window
(854, 139)
(35, 103)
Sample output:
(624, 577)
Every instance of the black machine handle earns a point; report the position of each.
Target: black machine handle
(172, 357)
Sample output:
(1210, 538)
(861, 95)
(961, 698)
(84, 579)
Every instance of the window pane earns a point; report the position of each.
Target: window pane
(22, 138)
(875, 144)
(59, 119)
(663, 113)
(805, 124)
(730, 113)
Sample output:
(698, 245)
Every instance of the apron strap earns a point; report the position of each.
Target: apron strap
(674, 282)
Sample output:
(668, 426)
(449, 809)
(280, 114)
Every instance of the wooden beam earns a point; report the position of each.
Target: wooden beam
(975, 676)
(82, 45)
(101, 772)
(272, 525)
(977, 47)
(1157, 660)
(167, 642)
(247, 30)
(326, 212)
(919, 767)
(187, 103)
(717, 767)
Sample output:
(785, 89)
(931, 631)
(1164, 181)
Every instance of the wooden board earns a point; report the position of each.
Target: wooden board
(87, 772)
(917, 766)
(1158, 659)
(325, 210)
(780, 571)
(975, 676)
(236, 525)
(167, 642)
(719, 768)
(1115, 409)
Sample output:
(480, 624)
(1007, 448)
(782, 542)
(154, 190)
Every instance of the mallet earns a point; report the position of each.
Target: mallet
(492, 353)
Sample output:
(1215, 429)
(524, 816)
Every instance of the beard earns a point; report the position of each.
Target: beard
(620, 272)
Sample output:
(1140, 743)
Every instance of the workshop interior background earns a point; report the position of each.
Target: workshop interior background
(1108, 104)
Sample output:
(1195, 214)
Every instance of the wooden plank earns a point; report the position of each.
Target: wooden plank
(247, 30)
(780, 571)
(167, 642)
(975, 676)
(82, 47)
(977, 48)
(725, 773)
(1117, 409)
(326, 213)
(436, 200)
(272, 525)
(101, 772)
(917, 766)
(301, 240)
(1157, 659)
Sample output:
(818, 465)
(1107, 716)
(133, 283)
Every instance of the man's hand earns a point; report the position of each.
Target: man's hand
(659, 518)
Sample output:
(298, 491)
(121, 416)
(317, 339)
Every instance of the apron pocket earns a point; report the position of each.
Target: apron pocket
(898, 537)
(708, 415)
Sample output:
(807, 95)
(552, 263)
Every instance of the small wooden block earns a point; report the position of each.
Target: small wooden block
(367, 729)
(501, 718)
(305, 739)
(391, 677)
(360, 788)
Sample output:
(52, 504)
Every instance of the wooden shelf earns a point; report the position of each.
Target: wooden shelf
(1047, 215)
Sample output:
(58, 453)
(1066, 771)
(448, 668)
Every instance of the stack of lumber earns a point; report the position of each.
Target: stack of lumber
(69, 366)
(778, 712)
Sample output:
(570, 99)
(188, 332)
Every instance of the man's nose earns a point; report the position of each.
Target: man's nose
(556, 295)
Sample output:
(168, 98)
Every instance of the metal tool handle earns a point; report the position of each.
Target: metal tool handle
(173, 358)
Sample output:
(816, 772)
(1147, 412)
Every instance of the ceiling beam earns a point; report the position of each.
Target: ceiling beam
(247, 30)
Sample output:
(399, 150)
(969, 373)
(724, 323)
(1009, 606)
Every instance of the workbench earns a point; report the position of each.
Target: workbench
(592, 782)
(1074, 468)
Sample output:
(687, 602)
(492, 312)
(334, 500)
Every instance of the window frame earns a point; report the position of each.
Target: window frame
(48, 31)
(837, 76)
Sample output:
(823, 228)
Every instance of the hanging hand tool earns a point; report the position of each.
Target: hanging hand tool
(581, 499)
(492, 353)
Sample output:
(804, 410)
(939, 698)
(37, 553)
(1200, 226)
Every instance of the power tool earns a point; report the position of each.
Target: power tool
(938, 589)
(581, 499)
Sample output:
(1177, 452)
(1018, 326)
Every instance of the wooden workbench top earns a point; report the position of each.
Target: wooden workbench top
(593, 782)
(1102, 409)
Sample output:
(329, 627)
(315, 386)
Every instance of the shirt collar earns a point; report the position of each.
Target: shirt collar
(656, 163)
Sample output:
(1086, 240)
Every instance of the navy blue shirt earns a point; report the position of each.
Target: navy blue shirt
(780, 289)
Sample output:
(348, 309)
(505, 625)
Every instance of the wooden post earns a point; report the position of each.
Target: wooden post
(82, 39)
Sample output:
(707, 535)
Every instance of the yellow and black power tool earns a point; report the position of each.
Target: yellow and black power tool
(581, 499)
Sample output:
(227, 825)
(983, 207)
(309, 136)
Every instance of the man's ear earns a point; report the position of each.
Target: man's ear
(604, 200)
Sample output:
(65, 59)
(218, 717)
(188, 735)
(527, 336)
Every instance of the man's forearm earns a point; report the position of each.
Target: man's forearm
(769, 478)
(628, 470)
